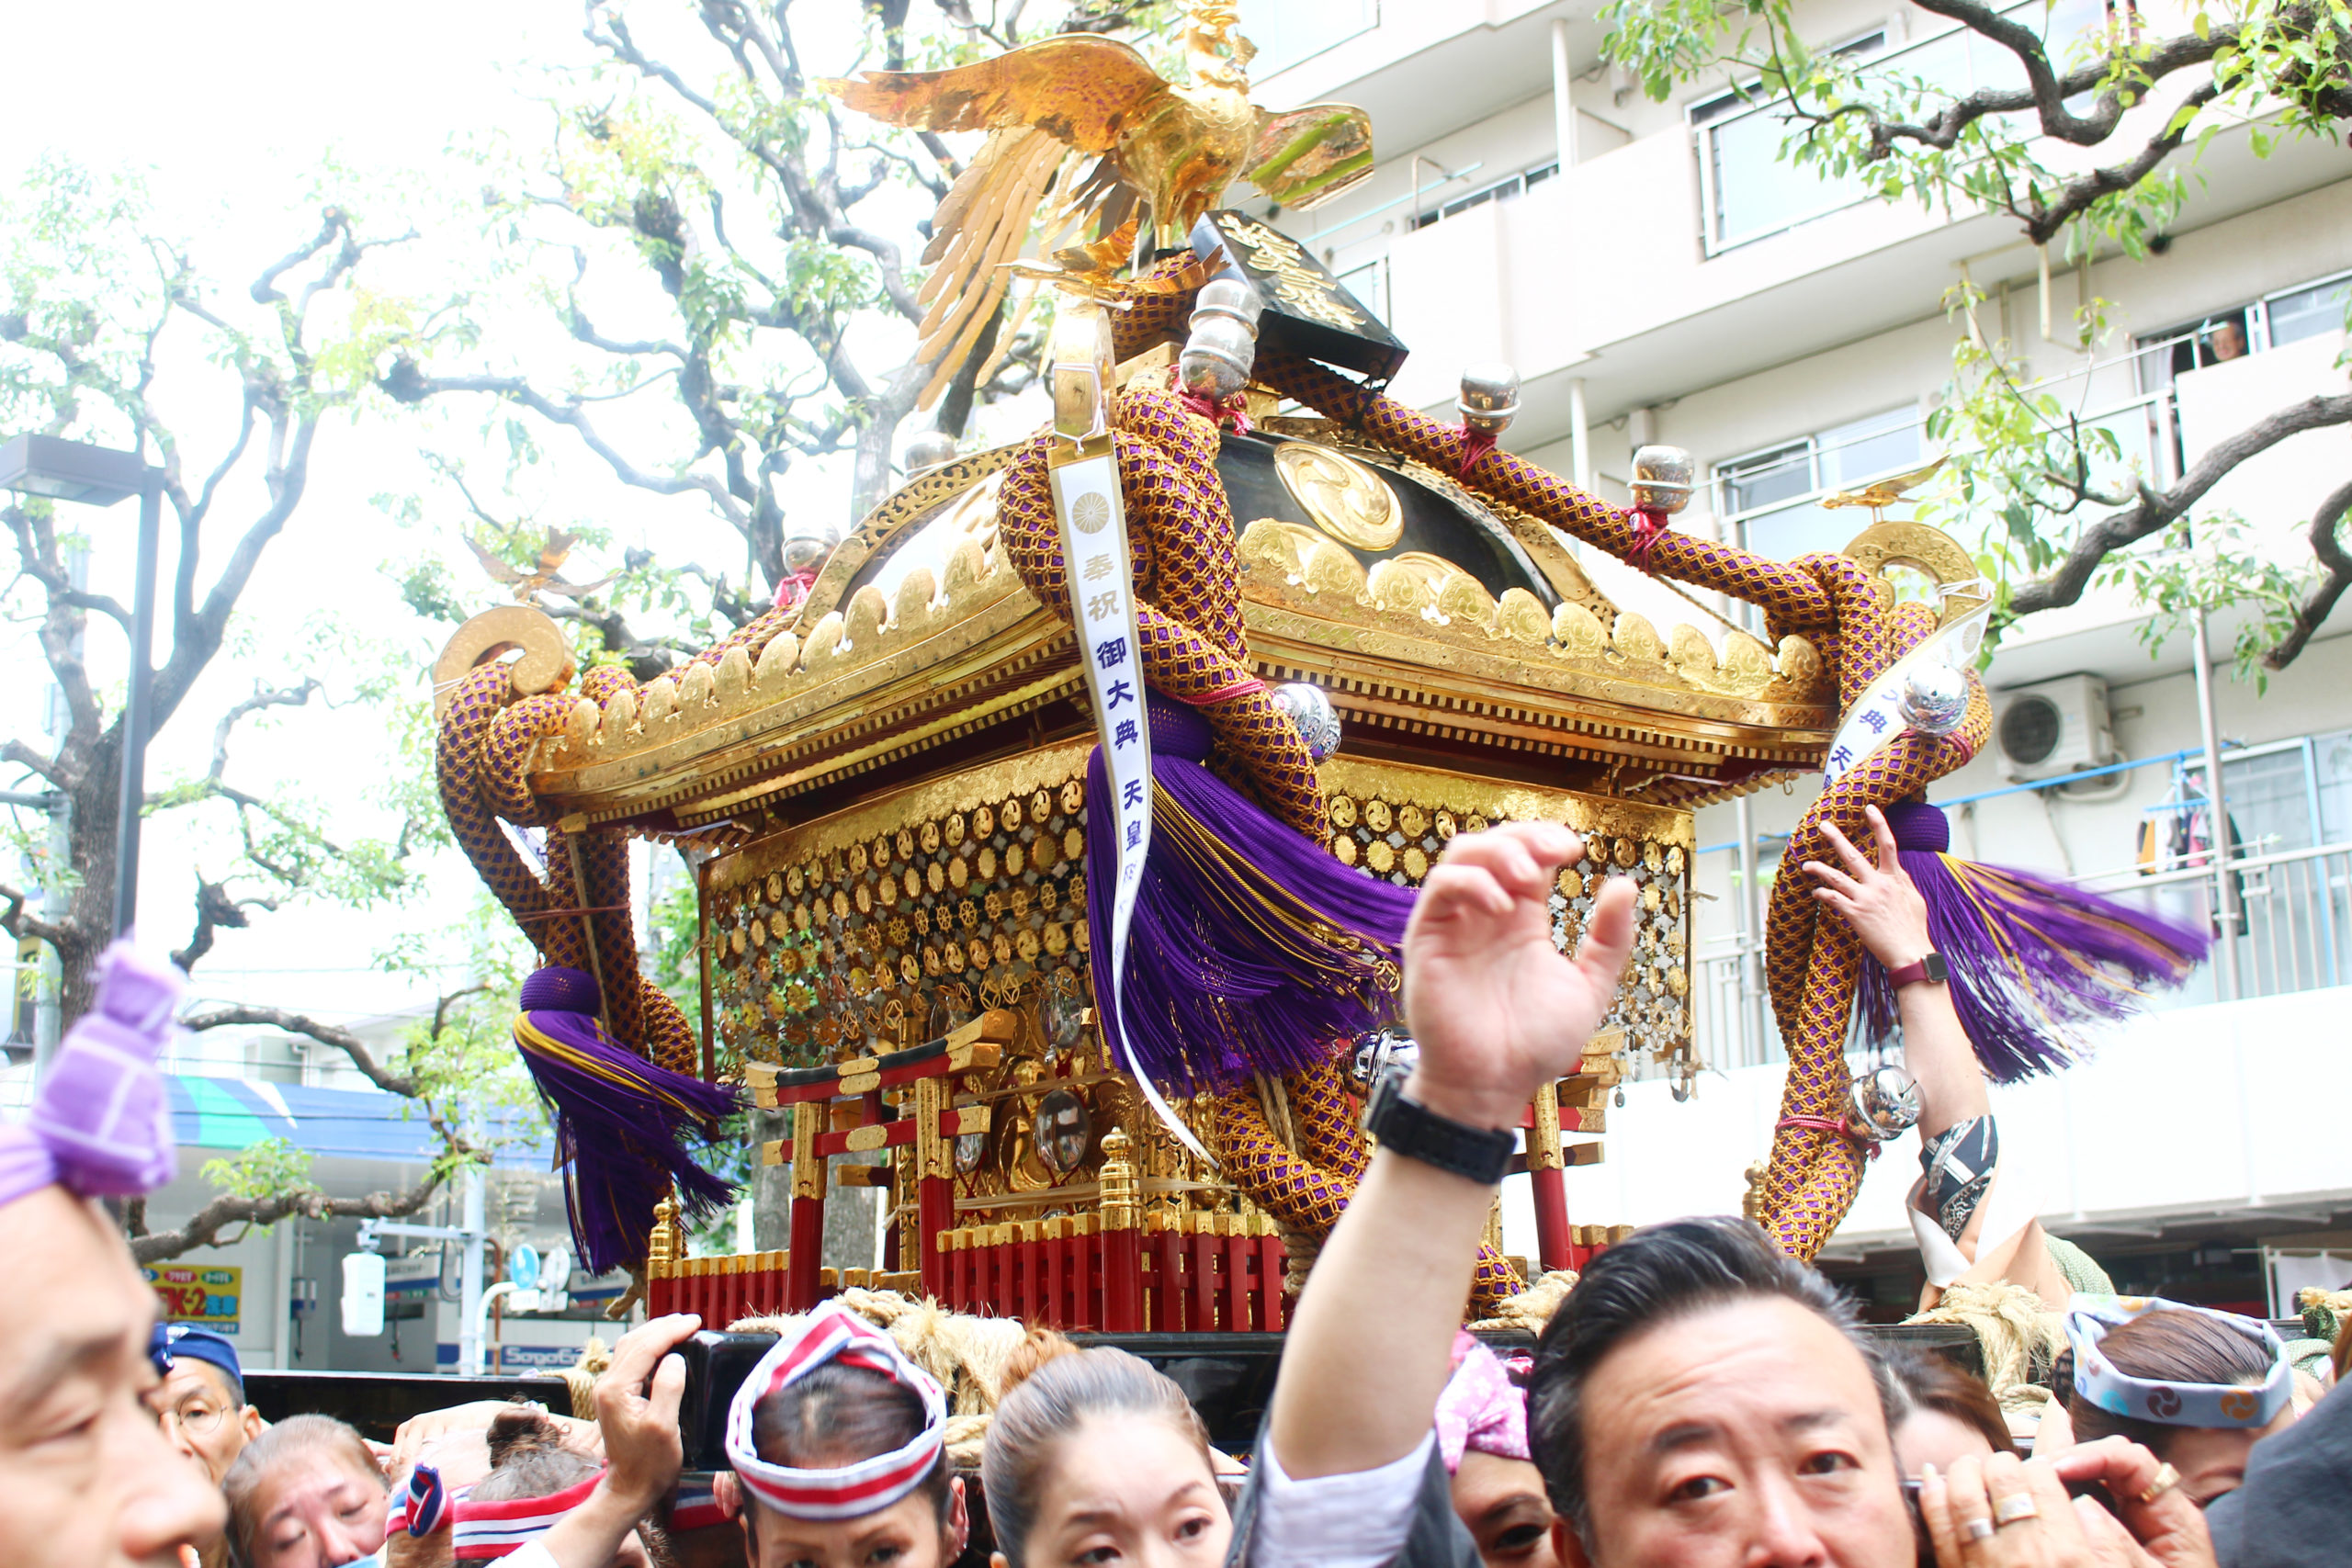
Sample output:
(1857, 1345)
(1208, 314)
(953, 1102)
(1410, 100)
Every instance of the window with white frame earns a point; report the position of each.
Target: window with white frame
(1289, 31)
(1503, 189)
(2289, 315)
(1369, 284)
(1773, 497)
(1748, 192)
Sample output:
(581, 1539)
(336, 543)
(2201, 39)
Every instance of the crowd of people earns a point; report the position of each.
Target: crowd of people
(1699, 1397)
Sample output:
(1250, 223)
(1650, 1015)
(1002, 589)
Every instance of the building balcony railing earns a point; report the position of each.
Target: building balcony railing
(2291, 902)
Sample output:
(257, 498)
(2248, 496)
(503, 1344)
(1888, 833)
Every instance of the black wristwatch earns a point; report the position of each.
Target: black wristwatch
(1476, 1154)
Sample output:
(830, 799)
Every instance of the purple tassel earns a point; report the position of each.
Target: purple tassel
(1251, 949)
(619, 1121)
(2032, 959)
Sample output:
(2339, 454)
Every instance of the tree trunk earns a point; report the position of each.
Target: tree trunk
(88, 922)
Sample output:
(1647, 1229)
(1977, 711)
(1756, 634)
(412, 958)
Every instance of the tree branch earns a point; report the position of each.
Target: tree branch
(204, 1227)
(2321, 602)
(343, 1039)
(20, 923)
(2157, 510)
(263, 697)
(216, 908)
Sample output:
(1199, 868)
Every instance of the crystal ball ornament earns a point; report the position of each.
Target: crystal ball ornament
(1489, 397)
(1885, 1103)
(1223, 344)
(1311, 714)
(1662, 479)
(1935, 699)
(929, 450)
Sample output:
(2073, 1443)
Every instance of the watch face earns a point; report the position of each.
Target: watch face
(1937, 970)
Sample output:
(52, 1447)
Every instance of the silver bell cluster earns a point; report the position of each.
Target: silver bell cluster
(1935, 699)
(1311, 714)
(1223, 347)
(1662, 478)
(1380, 1052)
(1885, 1103)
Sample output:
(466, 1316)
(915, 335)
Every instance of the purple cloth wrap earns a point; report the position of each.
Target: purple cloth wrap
(1481, 1408)
(1251, 949)
(2032, 959)
(100, 1125)
(620, 1121)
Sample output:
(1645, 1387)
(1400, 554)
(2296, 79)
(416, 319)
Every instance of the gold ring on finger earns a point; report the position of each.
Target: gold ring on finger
(2166, 1479)
(2015, 1508)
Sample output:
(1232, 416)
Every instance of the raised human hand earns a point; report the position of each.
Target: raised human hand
(1878, 900)
(1494, 1007)
(637, 1408)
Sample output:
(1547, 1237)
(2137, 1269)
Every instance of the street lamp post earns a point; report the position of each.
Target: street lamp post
(100, 476)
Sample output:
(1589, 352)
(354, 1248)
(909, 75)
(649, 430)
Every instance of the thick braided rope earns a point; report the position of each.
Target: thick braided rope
(1187, 617)
(1306, 1191)
(481, 760)
(1791, 599)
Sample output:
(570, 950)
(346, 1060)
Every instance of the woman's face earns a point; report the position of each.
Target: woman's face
(1930, 1436)
(907, 1534)
(1130, 1490)
(316, 1510)
(1501, 1502)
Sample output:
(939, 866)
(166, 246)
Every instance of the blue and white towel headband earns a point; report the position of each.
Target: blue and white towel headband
(2100, 1381)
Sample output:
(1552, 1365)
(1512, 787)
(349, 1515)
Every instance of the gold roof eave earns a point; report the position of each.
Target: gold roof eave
(894, 691)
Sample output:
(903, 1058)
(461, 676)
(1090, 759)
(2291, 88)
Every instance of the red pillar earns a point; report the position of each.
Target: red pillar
(1553, 1239)
(1121, 1283)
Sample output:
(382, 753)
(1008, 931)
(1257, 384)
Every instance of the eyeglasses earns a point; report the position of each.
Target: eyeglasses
(195, 1417)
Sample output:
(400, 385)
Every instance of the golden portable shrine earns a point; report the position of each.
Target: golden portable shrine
(913, 897)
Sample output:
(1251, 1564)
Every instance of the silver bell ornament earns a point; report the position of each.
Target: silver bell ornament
(1223, 347)
(1662, 479)
(1935, 699)
(929, 449)
(1885, 1103)
(1489, 398)
(1376, 1052)
(1311, 714)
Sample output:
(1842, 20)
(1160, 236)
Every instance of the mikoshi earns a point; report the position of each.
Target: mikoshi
(1209, 686)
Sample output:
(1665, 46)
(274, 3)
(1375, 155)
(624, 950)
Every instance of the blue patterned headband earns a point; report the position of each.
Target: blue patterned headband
(2099, 1380)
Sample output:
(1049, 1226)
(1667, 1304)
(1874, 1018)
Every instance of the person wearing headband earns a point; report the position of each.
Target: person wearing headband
(535, 1481)
(1482, 1437)
(2198, 1388)
(1095, 1457)
(838, 1444)
(88, 1478)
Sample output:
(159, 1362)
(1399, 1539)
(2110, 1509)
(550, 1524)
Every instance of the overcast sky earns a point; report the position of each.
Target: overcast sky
(231, 110)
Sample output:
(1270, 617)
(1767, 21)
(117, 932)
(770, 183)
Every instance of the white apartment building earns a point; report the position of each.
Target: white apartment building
(1654, 273)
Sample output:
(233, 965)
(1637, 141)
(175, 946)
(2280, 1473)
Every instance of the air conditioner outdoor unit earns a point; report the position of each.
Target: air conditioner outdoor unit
(2053, 728)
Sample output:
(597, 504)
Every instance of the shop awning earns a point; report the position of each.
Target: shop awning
(233, 1113)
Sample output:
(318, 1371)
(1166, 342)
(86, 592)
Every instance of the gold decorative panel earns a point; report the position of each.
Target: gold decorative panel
(1394, 821)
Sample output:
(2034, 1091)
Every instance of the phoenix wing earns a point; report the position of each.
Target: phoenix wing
(1076, 93)
(1085, 91)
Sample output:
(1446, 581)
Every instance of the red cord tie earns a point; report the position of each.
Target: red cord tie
(1220, 413)
(1475, 443)
(1824, 1124)
(1649, 527)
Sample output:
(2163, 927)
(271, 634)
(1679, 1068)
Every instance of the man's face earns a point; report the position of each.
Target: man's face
(1749, 1433)
(89, 1479)
(316, 1510)
(201, 1418)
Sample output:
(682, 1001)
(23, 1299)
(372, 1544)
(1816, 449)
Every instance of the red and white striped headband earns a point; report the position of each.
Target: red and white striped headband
(481, 1531)
(866, 1487)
